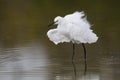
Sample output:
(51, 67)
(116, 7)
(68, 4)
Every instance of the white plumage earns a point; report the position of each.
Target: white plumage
(72, 28)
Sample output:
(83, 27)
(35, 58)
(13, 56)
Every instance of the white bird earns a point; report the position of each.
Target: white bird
(72, 28)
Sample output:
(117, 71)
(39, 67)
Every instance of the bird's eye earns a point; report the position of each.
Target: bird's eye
(56, 21)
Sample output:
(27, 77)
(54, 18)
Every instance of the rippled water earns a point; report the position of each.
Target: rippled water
(27, 54)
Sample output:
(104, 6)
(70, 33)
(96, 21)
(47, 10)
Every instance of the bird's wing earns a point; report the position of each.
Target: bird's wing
(56, 36)
(77, 18)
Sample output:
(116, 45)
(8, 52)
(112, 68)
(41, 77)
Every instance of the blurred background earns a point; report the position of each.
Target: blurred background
(26, 52)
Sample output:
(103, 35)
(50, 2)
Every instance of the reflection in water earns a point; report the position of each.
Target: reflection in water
(107, 69)
(22, 62)
(74, 74)
(85, 75)
(74, 69)
(90, 77)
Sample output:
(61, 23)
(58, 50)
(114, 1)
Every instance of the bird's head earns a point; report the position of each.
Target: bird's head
(57, 20)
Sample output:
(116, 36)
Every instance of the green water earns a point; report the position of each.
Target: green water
(26, 52)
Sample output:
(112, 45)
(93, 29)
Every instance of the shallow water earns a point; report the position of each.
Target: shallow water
(26, 53)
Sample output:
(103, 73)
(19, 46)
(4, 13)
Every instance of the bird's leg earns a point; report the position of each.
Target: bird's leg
(73, 52)
(85, 56)
(74, 67)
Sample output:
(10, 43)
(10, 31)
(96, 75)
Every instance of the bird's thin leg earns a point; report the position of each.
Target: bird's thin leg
(85, 56)
(73, 52)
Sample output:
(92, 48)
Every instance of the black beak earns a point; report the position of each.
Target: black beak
(50, 24)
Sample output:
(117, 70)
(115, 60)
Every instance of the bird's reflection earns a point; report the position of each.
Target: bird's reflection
(85, 69)
(85, 75)
(75, 70)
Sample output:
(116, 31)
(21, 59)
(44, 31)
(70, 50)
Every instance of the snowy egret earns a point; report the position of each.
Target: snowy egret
(72, 28)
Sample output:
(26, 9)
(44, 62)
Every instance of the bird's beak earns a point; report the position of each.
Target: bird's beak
(51, 23)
